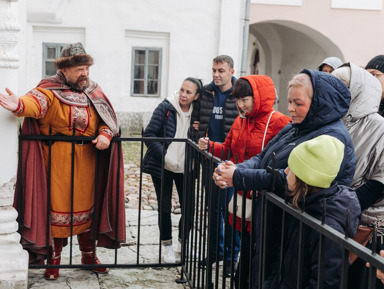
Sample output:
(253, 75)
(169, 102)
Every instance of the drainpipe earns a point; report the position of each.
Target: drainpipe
(243, 69)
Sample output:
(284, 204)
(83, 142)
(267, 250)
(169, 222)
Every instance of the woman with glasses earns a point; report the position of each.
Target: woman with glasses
(251, 131)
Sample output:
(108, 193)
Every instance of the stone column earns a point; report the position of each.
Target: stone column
(13, 259)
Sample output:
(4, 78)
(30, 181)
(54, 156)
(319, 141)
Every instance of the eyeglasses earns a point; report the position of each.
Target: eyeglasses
(244, 100)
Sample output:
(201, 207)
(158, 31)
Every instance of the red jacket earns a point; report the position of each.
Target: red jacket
(245, 138)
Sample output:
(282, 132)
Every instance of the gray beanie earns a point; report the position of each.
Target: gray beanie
(376, 63)
(333, 62)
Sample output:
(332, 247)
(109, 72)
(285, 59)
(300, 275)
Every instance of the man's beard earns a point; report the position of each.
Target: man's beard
(76, 86)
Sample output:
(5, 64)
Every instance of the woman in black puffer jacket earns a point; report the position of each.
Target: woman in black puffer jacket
(171, 119)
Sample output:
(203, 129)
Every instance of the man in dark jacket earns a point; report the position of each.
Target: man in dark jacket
(212, 117)
(215, 110)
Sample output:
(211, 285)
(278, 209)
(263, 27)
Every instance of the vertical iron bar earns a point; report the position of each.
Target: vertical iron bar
(72, 195)
(140, 195)
(300, 276)
(48, 229)
(96, 203)
(283, 222)
(119, 151)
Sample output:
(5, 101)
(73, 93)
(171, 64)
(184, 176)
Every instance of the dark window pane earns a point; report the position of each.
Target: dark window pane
(61, 49)
(152, 87)
(51, 52)
(153, 57)
(153, 72)
(139, 56)
(50, 68)
(138, 87)
(139, 72)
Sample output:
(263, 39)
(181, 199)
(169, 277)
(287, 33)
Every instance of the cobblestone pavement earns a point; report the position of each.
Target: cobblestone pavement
(124, 278)
(148, 197)
(137, 278)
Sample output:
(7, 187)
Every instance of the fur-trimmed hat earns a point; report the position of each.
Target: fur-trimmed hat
(73, 55)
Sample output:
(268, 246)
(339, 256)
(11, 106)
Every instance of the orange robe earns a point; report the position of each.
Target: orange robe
(61, 118)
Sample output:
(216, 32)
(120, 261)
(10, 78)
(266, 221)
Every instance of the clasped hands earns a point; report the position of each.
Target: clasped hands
(223, 174)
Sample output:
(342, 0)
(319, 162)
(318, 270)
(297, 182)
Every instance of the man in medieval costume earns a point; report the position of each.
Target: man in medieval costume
(80, 183)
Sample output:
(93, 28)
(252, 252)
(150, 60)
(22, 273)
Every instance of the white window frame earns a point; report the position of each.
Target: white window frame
(146, 49)
(279, 2)
(357, 4)
(58, 47)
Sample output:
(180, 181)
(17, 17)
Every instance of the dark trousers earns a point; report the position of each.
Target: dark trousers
(218, 232)
(164, 199)
(242, 276)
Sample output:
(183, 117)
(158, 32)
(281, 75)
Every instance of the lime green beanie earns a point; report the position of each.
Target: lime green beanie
(317, 161)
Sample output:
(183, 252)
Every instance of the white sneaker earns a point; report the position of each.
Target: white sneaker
(168, 254)
(178, 248)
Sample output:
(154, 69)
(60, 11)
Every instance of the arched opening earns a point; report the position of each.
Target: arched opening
(283, 49)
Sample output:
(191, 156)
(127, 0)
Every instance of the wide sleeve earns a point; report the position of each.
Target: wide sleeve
(105, 130)
(34, 104)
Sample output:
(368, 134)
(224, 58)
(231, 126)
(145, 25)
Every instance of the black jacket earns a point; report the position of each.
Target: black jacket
(203, 111)
(339, 201)
(162, 124)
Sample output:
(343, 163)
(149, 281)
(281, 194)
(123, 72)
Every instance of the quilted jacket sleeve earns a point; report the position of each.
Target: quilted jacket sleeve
(155, 128)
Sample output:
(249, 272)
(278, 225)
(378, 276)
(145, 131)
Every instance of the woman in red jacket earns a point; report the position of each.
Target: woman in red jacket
(251, 131)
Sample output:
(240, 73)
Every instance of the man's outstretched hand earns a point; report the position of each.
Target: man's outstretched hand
(9, 101)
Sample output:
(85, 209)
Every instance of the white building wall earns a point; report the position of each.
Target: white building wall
(191, 34)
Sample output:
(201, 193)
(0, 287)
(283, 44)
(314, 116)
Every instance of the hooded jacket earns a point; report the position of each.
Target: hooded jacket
(330, 102)
(366, 128)
(249, 135)
(168, 120)
(339, 200)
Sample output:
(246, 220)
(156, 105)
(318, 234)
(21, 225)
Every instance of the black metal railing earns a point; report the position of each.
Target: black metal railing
(200, 198)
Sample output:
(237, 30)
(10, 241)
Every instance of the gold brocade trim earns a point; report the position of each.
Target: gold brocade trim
(64, 219)
(71, 97)
(79, 118)
(41, 100)
(108, 132)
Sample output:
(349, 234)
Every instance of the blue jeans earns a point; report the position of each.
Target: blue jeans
(227, 226)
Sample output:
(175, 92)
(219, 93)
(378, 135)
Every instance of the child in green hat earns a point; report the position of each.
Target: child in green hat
(312, 167)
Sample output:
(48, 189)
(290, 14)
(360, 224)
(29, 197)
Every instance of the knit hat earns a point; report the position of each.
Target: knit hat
(376, 62)
(317, 161)
(73, 55)
(333, 62)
